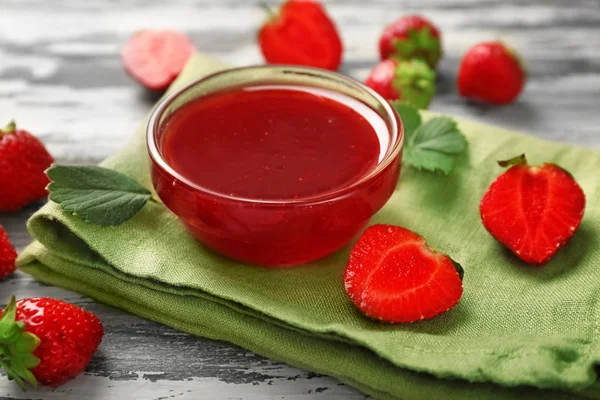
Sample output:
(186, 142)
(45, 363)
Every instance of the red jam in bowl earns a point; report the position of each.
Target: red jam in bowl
(269, 143)
(274, 174)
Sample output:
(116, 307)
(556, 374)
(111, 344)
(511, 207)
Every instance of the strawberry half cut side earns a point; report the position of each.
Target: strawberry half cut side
(156, 57)
(533, 210)
(393, 276)
(301, 33)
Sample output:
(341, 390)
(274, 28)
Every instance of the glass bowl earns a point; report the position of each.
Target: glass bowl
(275, 232)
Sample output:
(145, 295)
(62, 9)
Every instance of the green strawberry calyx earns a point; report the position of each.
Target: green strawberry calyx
(518, 160)
(16, 348)
(8, 129)
(415, 82)
(419, 44)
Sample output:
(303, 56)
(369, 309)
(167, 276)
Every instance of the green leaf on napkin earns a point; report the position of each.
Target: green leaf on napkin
(411, 118)
(432, 146)
(99, 195)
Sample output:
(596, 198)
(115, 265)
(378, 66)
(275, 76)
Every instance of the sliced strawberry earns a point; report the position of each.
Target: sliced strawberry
(533, 210)
(302, 33)
(156, 58)
(393, 276)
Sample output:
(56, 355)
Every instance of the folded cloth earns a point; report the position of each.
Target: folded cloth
(519, 331)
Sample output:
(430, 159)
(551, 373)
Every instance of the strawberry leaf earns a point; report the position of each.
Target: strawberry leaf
(432, 146)
(98, 195)
(439, 134)
(429, 160)
(411, 118)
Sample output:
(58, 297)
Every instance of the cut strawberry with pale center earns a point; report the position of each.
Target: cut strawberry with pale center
(533, 210)
(393, 276)
(156, 58)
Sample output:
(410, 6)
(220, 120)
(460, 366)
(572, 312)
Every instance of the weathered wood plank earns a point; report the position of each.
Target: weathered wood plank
(60, 75)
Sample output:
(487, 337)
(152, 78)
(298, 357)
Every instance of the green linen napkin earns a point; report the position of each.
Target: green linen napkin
(519, 331)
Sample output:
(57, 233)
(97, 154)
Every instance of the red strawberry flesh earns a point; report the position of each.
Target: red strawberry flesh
(301, 33)
(394, 277)
(533, 210)
(8, 255)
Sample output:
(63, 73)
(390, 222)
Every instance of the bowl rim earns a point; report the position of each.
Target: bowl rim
(390, 157)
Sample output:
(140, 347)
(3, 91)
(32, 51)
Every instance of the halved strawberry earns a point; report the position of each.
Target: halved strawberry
(301, 33)
(393, 276)
(155, 58)
(533, 210)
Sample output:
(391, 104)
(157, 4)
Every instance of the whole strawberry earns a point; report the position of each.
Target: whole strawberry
(411, 82)
(47, 341)
(301, 33)
(393, 276)
(491, 73)
(23, 160)
(8, 255)
(533, 210)
(411, 37)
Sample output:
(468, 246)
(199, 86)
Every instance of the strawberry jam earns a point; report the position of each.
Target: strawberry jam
(275, 174)
(273, 143)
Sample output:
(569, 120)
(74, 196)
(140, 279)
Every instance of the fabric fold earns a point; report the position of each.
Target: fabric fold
(518, 330)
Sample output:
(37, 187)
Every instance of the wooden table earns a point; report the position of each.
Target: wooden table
(60, 77)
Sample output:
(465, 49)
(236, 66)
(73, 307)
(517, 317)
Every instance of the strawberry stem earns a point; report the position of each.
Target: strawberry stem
(16, 348)
(518, 160)
(270, 13)
(8, 129)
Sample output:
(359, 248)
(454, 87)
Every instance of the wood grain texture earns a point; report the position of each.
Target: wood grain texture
(60, 77)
